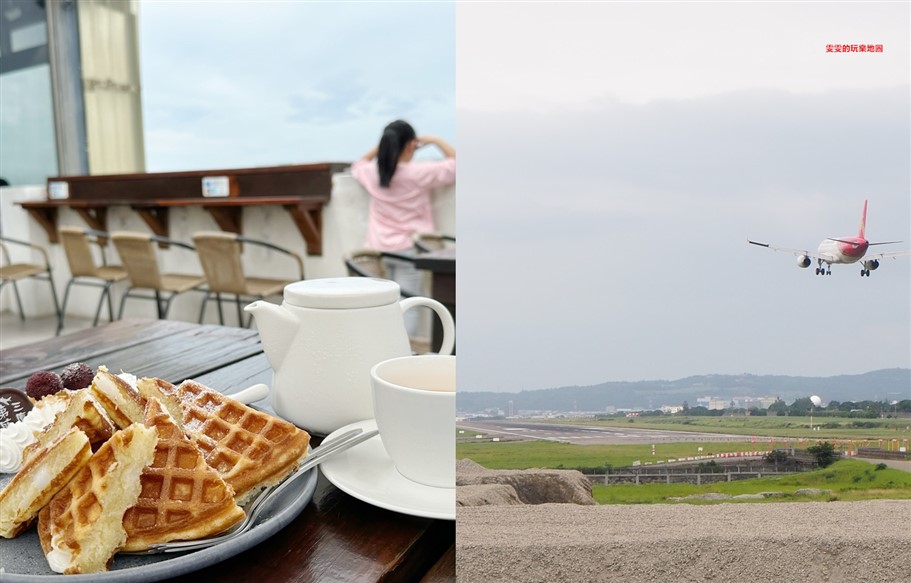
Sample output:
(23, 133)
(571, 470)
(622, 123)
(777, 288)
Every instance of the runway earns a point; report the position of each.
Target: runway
(587, 435)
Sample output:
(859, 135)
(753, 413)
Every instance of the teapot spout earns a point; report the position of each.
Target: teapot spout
(277, 328)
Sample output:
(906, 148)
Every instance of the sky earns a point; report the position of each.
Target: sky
(614, 159)
(244, 84)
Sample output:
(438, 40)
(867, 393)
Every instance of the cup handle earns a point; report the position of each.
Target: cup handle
(448, 343)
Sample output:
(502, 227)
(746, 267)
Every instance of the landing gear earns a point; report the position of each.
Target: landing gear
(822, 270)
(864, 272)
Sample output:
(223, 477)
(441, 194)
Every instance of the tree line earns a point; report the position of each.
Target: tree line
(803, 407)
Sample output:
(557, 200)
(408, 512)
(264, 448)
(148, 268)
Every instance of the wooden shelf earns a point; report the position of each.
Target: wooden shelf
(305, 211)
(301, 190)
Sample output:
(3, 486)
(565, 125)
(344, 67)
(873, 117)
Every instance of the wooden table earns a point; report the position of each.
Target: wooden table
(335, 538)
(442, 266)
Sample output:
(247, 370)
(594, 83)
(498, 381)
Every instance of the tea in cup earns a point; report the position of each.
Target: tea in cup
(414, 404)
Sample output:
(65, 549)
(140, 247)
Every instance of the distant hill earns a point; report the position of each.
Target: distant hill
(886, 384)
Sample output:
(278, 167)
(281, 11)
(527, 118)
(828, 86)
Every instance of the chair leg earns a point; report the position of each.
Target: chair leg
(50, 279)
(66, 298)
(240, 311)
(202, 308)
(19, 301)
(123, 302)
(221, 315)
(167, 306)
(104, 291)
(161, 313)
(110, 288)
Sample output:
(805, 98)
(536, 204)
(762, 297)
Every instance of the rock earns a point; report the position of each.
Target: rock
(812, 492)
(467, 466)
(534, 486)
(707, 496)
(487, 495)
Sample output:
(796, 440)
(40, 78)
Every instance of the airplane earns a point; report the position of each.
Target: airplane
(840, 250)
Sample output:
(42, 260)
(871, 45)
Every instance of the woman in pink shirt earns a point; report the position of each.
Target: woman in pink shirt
(400, 189)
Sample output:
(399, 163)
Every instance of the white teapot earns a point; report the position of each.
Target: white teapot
(324, 339)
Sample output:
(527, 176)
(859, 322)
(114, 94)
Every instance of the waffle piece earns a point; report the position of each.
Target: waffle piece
(123, 404)
(40, 479)
(82, 527)
(83, 412)
(248, 448)
(182, 498)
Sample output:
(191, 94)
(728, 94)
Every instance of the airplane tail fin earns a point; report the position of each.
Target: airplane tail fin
(863, 222)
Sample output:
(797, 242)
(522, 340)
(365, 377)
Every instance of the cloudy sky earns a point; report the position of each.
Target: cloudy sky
(615, 157)
(240, 84)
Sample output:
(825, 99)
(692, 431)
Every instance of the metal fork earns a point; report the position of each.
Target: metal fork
(254, 509)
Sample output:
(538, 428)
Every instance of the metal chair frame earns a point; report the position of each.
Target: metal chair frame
(249, 297)
(47, 274)
(420, 241)
(97, 238)
(162, 302)
(355, 269)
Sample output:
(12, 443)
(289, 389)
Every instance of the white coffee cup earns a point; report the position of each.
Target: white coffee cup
(414, 404)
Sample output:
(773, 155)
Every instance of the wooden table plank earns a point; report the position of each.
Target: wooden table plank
(171, 350)
(93, 343)
(239, 375)
(444, 569)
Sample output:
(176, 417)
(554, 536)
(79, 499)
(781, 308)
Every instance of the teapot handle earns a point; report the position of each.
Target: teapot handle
(448, 343)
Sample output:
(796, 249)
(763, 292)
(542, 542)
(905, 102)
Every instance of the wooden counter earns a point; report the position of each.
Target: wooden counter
(301, 190)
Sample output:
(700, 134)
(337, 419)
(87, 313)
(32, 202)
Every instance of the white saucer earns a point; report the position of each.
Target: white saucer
(366, 472)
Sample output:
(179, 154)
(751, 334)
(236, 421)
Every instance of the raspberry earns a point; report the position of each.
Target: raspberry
(42, 384)
(77, 376)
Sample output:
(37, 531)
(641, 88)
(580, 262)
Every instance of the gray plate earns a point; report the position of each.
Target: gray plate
(22, 560)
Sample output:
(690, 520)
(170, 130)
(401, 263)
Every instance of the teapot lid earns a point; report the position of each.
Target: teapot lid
(342, 292)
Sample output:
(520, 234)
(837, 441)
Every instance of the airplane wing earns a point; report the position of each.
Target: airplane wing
(788, 250)
(892, 255)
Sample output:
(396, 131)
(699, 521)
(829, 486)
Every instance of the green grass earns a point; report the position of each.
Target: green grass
(842, 428)
(848, 480)
(520, 455)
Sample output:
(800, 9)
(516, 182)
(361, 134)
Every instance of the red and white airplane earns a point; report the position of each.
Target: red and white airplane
(842, 250)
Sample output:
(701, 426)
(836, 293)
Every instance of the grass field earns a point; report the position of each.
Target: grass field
(520, 455)
(848, 480)
(842, 428)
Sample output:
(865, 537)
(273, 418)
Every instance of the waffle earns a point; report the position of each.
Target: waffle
(82, 527)
(83, 412)
(181, 496)
(40, 479)
(123, 404)
(248, 448)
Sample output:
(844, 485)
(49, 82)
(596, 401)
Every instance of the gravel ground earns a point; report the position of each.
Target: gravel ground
(796, 542)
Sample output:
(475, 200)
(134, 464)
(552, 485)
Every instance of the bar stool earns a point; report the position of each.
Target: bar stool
(13, 272)
(84, 271)
(431, 241)
(137, 252)
(371, 263)
(220, 255)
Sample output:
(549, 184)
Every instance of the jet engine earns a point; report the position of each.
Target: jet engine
(804, 261)
(872, 264)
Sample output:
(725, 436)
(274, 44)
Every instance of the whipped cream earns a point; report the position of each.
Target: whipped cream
(129, 378)
(59, 559)
(15, 437)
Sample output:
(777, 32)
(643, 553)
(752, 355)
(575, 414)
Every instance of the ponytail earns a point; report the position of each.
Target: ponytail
(394, 138)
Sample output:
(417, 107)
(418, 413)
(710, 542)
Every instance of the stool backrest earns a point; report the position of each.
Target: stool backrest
(78, 253)
(137, 252)
(219, 253)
